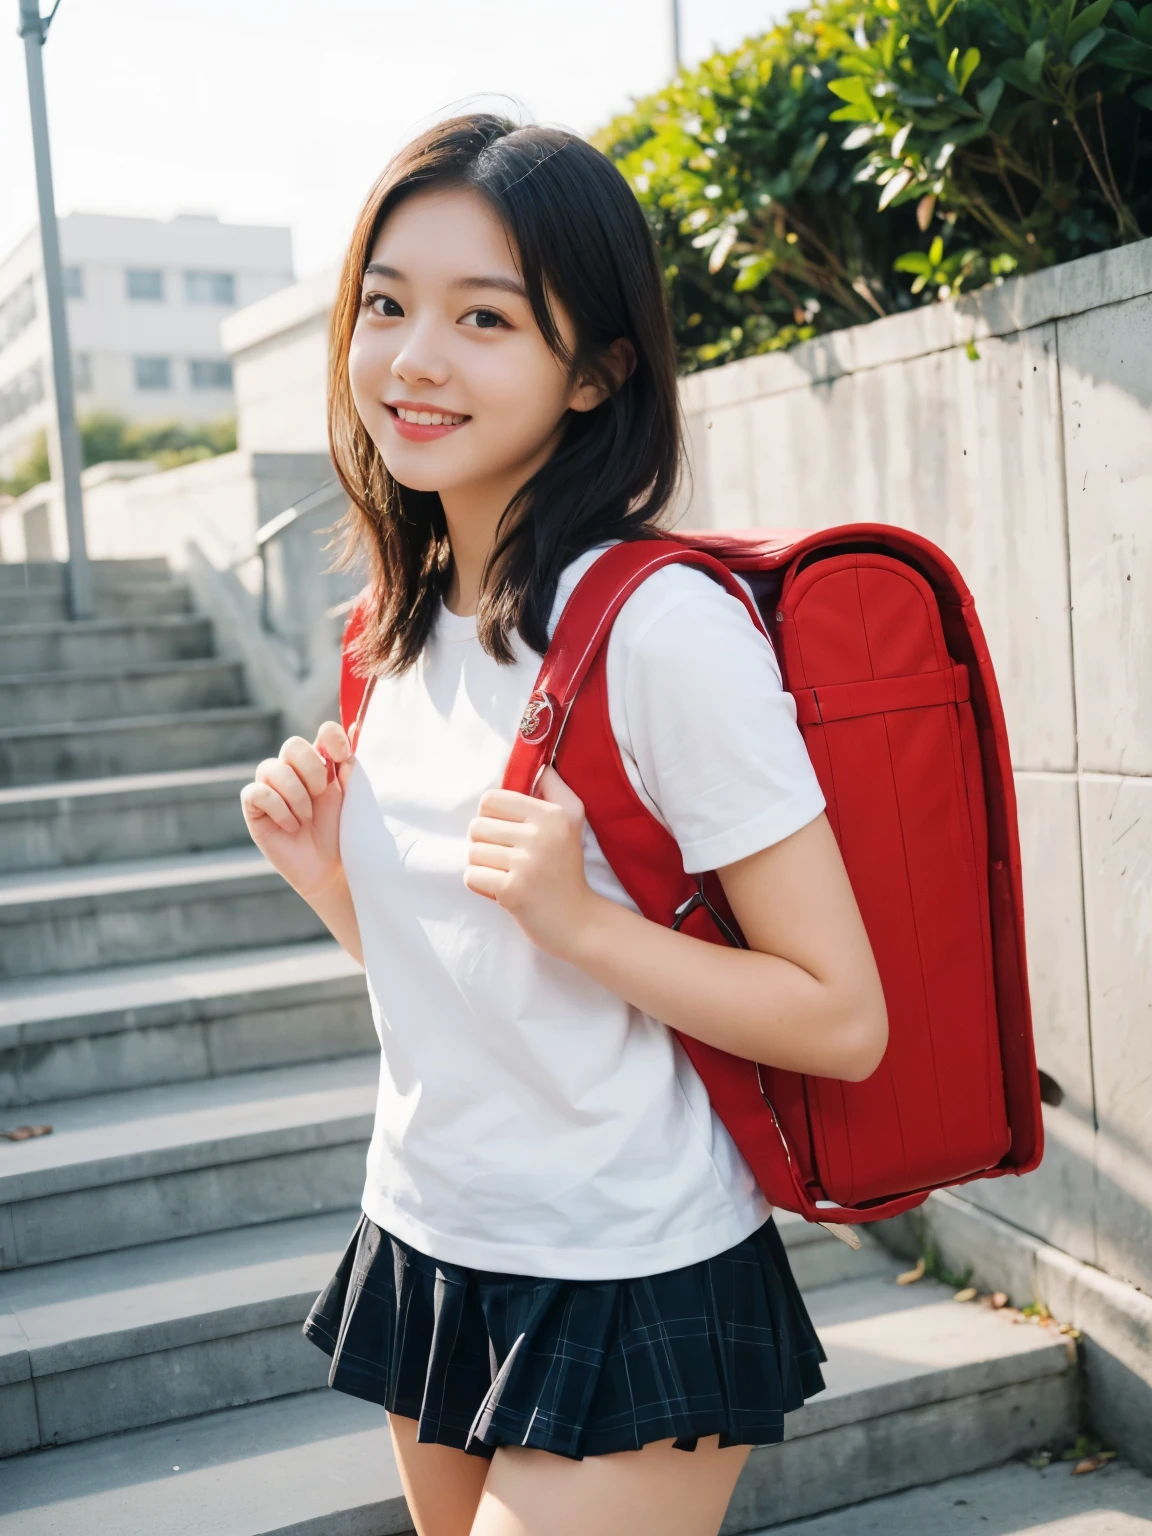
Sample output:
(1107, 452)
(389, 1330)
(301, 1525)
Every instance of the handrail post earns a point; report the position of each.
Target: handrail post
(33, 29)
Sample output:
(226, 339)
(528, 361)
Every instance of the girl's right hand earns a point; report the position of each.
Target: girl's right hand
(292, 809)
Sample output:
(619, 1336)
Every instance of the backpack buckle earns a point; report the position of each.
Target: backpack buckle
(539, 713)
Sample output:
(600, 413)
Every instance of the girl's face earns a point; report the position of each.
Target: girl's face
(446, 329)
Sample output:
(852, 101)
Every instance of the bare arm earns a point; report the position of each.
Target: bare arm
(293, 815)
(805, 996)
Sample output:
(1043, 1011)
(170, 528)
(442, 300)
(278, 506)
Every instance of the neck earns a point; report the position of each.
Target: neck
(473, 513)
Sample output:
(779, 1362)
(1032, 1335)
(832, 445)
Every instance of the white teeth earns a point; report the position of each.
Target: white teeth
(428, 418)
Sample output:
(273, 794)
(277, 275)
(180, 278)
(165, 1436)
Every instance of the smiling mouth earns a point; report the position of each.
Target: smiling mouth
(427, 418)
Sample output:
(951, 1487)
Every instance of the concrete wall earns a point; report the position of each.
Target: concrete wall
(279, 351)
(1031, 465)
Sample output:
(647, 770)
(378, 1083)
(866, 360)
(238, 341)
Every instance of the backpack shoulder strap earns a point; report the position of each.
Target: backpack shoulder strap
(581, 634)
(354, 686)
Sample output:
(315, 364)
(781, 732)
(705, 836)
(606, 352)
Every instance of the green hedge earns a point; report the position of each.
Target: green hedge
(105, 435)
(865, 157)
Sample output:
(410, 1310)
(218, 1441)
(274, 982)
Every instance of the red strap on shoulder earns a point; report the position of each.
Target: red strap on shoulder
(580, 635)
(352, 685)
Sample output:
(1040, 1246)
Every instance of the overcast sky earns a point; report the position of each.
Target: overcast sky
(283, 111)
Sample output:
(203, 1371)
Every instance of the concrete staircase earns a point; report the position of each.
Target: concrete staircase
(205, 1057)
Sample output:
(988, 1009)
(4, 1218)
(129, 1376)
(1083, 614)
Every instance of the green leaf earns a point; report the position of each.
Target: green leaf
(913, 261)
(936, 251)
(1012, 70)
(850, 88)
(989, 98)
(753, 271)
(1143, 96)
(1085, 46)
(1034, 60)
(971, 352)
(967, 68)
(1125, 53)
(1086, 22)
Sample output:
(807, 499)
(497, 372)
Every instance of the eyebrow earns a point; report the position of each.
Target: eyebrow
(505, 284)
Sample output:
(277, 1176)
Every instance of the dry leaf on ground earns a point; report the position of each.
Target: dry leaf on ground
(967, 1294)
(1093, 1463)
(23, 1132)
(998, 1299)
(910, 1276)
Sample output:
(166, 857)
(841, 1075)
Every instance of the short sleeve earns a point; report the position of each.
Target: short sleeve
(706, 731)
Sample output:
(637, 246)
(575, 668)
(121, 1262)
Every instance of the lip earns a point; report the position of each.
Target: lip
(418, 434)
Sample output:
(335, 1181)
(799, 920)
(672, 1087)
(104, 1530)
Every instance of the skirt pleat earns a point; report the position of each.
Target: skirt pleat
(578, 1367)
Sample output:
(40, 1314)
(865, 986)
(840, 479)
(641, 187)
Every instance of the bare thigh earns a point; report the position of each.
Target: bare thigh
(677, 1493)
(442, 1485)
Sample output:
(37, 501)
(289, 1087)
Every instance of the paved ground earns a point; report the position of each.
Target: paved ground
(1014, 1500)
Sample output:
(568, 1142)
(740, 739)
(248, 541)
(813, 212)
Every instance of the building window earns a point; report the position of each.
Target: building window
(73, 282)
(81, 373)
(153, 373)
(145, 284)
(21, 394)
(208, 373)
(210, 287)
(17, 311)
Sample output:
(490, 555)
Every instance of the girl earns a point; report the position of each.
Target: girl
(564, 1276)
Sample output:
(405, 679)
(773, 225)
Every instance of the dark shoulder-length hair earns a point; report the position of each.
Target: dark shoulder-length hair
(579, 235)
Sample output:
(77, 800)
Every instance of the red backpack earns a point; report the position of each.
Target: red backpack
(878, 642)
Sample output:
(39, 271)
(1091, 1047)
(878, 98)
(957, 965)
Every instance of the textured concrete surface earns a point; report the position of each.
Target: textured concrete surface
(119, 913)
(1114, 1318)
(1013, 1500)
(206, 1016)
(73, 645)
(1116, 816)
(150, 1164)
(135, 816)
(172, 687)
(143, 744)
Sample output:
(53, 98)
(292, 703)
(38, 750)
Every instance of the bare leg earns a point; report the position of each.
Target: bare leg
(657, 1489)
(442, 1485)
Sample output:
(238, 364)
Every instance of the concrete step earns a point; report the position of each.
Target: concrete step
(179, 1021)
(152, 1164)
(121, 1340)
(1012, 1500)
(131, 816)
(117, 642)
(54, 698)
(919, 1389)
(52, 575)
(146, 910)
(143, 744)
(129, 599)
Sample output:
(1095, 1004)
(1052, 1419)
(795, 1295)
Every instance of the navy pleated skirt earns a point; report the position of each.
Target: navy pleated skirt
(579, 1367)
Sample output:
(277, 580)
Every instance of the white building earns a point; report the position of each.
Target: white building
(145, 301)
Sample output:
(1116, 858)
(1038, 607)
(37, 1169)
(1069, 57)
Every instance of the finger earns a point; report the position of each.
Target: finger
(485, 882)
(333, 739)
(508, 805)
(286, 782)
(261, 802)
(490, 856)
(488, 829)
(554, 790)
(311, 767)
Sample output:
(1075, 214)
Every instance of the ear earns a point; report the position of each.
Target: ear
(618, 361)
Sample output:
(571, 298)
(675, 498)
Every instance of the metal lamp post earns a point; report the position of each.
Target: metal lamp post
(34, 30)
(676, 58)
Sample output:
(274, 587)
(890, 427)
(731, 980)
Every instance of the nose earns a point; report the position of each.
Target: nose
(420, 359)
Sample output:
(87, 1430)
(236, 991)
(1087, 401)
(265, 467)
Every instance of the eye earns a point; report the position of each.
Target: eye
(376, 302)
(486, 319)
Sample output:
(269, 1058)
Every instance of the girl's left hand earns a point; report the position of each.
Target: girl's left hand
(527, 853)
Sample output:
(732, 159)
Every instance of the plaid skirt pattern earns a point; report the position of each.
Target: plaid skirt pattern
(578, 1367)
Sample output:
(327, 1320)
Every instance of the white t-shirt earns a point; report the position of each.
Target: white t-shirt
(529, 1121)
